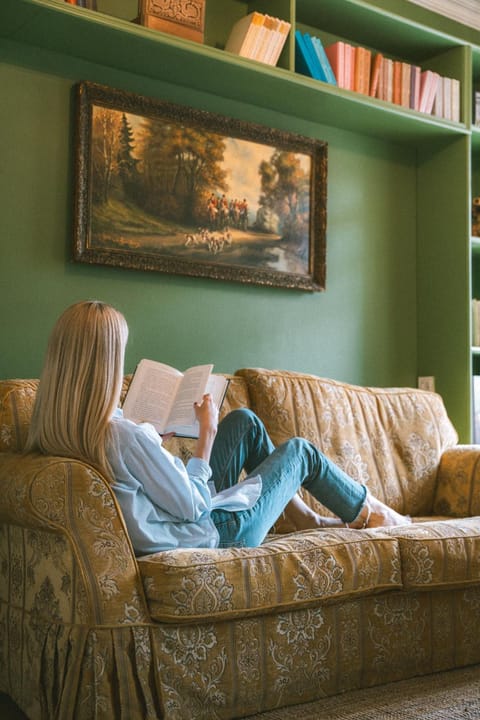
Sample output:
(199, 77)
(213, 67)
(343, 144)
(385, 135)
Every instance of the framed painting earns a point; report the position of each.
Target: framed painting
(167, 188)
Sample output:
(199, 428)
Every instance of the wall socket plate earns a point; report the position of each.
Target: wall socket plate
(426, 382)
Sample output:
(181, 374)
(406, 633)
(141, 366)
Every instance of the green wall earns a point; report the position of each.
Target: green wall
(362, 329)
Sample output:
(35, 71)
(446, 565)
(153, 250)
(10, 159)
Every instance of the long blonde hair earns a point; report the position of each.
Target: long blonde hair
(80, 384)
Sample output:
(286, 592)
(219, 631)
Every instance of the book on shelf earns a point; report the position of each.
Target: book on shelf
(323, 60)
(362, 70)
(476, 323)
(304, 61)
(282, 34)
(375, 76)
(476, 108)
(244, 34)
(405, 84)
(455, 100)
(428, 87)
(259, 37)
(311, 59)
(263, 40)
(397, 82)
(447, 99)
(336, 57)
(415, 78)
(385, 88)
(163, 396)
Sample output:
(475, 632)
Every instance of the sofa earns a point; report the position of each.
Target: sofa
(89, 631)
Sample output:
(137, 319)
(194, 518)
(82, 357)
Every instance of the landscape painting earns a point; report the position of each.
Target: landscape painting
(168, 188)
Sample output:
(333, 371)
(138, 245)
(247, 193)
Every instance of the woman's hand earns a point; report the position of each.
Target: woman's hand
(206, 413)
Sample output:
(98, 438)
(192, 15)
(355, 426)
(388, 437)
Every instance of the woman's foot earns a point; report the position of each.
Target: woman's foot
(376, 514)
(299, 516)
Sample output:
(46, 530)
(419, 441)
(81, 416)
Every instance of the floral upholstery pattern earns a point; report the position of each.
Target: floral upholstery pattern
(458, 483)
(390, 439)
(16, 405)
(89, 632)
(282, 574)
(437, 555)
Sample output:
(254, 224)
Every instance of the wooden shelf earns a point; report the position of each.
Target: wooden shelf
(53, 36)
(104, 40)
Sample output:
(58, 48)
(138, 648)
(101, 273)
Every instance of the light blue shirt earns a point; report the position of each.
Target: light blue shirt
(165, 503)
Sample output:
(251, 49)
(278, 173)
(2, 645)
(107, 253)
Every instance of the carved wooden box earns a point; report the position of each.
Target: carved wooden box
(185, 18)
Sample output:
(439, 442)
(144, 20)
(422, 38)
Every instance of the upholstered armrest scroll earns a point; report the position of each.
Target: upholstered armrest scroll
(61, 528)
(458, 482)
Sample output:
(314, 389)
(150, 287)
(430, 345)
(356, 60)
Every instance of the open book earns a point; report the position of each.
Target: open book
(163, 396)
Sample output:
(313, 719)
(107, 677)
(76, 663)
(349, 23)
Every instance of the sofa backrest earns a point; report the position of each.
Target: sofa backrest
(390, 439)
(17, 398)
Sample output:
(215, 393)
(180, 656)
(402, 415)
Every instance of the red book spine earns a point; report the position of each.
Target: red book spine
(336, 57)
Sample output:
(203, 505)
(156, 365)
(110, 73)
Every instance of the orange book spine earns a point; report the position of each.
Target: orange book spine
(375, 78)
(397, 82)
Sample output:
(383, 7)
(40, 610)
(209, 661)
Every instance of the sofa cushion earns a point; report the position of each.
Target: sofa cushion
(391, 439)
(437, 554)
(286, 572)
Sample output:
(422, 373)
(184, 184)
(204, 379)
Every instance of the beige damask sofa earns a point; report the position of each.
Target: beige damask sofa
(89, 631)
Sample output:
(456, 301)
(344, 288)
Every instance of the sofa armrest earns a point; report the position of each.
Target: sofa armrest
(65, 553)
(458, 482)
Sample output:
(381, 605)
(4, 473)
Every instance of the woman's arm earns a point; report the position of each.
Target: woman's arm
(207, 415)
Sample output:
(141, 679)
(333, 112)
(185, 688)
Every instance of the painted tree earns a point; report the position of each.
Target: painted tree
(105, 146)
(285, 192)
(180, 167)
(126, 162)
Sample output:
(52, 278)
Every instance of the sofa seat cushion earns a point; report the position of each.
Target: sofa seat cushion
(391, 439)
(288, 571)
(439, 554)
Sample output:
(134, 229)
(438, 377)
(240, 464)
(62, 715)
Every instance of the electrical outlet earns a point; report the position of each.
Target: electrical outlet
(426, 382)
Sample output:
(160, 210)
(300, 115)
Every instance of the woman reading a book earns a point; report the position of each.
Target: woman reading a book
(165, 503)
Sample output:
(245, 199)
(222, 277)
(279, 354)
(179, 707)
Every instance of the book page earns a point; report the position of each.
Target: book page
(191, 389)
(151, 393)
(217, 387)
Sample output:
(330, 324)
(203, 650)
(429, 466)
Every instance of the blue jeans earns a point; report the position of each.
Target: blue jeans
(242, 442)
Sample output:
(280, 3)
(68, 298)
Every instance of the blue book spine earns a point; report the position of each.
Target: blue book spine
(319, 73)
(324, 61)
(303, 60)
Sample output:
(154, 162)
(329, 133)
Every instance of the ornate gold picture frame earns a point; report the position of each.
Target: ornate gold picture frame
(167, 188)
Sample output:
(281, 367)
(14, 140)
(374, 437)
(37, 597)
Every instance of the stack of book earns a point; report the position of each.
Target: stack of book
(476, 323)
(358, 69)
(311, 58)
(259, 37)
(423, 90)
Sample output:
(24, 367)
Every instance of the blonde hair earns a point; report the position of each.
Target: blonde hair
(80, 384)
